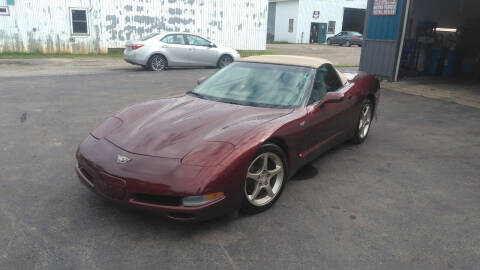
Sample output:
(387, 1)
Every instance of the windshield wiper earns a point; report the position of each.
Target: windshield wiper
(196, 94)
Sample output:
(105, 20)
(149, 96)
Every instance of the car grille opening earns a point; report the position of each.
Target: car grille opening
(179, 215)
(86, 174)
(157, 199)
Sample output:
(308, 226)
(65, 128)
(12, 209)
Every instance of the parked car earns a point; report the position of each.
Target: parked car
(159, 51)
(346, 38)
(231, 143)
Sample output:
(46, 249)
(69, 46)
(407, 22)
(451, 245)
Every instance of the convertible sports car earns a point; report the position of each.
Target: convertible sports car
(233, 142)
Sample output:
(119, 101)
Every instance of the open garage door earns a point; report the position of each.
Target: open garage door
(441, 39)
(353, 20)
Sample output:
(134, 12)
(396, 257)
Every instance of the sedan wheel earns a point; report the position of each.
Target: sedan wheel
(366, 116)
(348, 44)
(225, 61)
(158, 63)
(329, 41)
(265, 179)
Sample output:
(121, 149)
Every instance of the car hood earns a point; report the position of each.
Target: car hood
(173, 127)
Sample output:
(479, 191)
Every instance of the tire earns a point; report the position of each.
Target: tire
(364, 122)
(263, 185)
(347, 44)
(224, 61)
(157, 62)
(329, 41)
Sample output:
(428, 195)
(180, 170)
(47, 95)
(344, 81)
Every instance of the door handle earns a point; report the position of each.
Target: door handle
(165, 46)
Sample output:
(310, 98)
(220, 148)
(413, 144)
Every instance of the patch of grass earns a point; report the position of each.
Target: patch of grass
(13, 55)
(253, 53)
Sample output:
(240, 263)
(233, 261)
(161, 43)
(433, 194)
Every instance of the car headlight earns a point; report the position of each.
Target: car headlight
(202, 199)
(208, 154)
(106, 127)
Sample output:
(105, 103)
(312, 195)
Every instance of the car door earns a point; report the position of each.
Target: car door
(340, 38)
(327, 112)
(201, 51)
(176, 50)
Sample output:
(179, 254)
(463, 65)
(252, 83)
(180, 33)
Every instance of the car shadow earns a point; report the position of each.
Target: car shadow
(141, 69)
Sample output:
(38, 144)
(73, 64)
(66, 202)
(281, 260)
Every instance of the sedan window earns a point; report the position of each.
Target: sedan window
(197, 41)
(174, 39)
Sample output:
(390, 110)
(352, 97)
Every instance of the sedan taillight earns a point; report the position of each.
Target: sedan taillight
(136, 46)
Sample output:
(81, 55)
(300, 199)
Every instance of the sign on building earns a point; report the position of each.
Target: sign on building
(316, 14)
(385, 7)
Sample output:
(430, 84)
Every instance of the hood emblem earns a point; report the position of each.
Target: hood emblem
(122, 159)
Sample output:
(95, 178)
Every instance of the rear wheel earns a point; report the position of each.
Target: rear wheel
(224, 61)
(347, 43)
(364, 122)
(157, 62)
(265, 179)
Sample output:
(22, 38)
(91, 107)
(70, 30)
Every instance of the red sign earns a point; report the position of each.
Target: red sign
(385, 7)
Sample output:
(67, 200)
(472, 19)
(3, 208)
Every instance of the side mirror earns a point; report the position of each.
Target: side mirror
(201, 80)
(213, 45)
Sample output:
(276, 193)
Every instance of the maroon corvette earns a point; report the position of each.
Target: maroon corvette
(233, 142)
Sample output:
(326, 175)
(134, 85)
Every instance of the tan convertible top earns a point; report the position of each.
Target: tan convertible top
(292, 60)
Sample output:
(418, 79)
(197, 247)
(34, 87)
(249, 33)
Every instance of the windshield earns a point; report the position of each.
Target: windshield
(260, 85)
(148, 37)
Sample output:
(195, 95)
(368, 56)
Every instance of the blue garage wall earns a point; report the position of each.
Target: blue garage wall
(385, 27)
(382, 42)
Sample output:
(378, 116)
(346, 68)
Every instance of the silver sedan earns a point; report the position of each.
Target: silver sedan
(159, 51)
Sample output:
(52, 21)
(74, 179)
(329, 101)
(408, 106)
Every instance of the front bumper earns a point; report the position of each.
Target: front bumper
(134, 185)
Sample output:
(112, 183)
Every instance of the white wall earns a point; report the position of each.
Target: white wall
(285, 11)
(44, 26)
(330, 10)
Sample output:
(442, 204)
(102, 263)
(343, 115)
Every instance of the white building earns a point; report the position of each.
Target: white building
(293, 20)
(85, 26)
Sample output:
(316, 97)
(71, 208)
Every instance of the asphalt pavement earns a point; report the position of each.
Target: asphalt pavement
(406, 199)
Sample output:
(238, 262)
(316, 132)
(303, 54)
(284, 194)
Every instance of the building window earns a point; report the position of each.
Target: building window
(331, 27)
(79, 21)
(4, 11)
(290, 25)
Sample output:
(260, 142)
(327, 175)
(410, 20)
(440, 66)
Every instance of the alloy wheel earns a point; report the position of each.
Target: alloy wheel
(365, 121)
(158, 63)
(225, 61)
(265, 178)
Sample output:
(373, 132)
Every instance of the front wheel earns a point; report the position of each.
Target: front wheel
(265, 179)
(224, 61)
(348, 44)
(364, 122)
(329, 41)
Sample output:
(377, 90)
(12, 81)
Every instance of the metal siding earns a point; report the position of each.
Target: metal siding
(34, 26)
(381, 45)
(385, 27)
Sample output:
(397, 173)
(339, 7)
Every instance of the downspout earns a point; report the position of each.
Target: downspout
(405, 20)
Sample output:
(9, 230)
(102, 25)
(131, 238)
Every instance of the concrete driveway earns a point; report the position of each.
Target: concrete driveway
(406, 199)
(339, 55)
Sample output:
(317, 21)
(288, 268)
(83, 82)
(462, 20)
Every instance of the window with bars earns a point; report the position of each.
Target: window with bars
(4, 11)
(331, 27)
(79, 21)
(290, 25)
